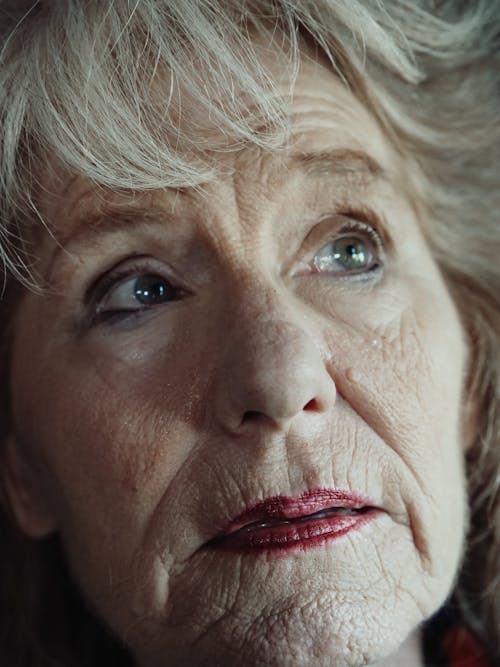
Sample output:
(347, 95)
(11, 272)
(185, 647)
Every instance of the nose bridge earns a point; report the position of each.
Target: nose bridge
(276, 340)
(273, 366)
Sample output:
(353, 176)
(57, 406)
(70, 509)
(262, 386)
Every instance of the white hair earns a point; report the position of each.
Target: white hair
(78, 83)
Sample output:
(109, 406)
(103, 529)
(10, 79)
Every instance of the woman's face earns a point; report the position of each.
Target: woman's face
(212, 367)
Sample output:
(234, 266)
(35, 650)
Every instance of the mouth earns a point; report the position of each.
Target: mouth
(284, 523)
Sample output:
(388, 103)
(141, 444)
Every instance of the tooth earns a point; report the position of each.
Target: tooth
(333, 511)
(254, 526)
(323, 514)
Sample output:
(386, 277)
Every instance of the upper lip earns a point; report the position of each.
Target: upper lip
(280, 508)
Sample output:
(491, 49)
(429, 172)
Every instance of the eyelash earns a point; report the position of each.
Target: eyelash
(366, 221)
(115, 277)
(362, 221)
(359, 221)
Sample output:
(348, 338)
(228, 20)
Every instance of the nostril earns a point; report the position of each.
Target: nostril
(251, 416)
(312, 406)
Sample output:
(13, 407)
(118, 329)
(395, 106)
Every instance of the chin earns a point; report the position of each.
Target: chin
(326, 608)
(325, 632)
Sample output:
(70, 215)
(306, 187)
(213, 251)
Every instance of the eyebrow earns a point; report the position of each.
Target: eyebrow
(108, 220)
(96, 225)
(341, 162)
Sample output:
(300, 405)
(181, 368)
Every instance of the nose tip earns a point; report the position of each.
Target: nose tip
(275, 373)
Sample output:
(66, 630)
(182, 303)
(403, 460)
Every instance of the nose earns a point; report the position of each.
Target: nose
(273, 371)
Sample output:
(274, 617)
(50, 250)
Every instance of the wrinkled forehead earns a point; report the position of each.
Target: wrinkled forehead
(327, 129)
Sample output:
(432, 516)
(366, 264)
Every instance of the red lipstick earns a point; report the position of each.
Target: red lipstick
(287, 523)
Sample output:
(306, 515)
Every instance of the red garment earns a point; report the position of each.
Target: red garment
(464, 649)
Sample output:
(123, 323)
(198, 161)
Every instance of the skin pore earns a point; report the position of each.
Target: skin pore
(267, 366)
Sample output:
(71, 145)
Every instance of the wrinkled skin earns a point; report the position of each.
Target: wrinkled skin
(137, 437)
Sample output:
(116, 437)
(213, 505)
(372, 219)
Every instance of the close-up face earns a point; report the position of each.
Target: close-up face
(241, 403)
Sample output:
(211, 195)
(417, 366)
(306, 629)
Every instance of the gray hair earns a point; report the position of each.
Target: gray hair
(78, 83)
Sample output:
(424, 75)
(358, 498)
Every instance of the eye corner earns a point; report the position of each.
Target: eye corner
(118, 294)
(351, 248)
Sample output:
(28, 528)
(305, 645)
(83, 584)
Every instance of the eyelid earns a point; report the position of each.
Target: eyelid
(119, 274)
(355, 220)
(362, 220)
(123, 269)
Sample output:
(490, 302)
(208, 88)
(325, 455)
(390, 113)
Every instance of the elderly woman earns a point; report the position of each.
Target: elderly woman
(250, 324)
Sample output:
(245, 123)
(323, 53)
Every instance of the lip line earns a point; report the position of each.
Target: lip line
(281, 508)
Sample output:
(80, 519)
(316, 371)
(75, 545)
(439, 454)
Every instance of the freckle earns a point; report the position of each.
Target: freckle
(350, 374)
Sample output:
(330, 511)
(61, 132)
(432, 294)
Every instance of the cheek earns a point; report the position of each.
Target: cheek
(399, 357)
(401, 376)
(112, 433)
(114, 437)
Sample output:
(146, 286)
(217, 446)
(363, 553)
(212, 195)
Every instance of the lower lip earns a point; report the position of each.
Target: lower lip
(296, 535)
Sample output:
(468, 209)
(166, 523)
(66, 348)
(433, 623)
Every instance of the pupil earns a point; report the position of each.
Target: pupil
(351, 254)
(150, 290)
(351, 250)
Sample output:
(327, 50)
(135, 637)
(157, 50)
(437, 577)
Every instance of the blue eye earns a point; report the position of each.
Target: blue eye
(139, 292)
(150, 290)
(348, 253)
